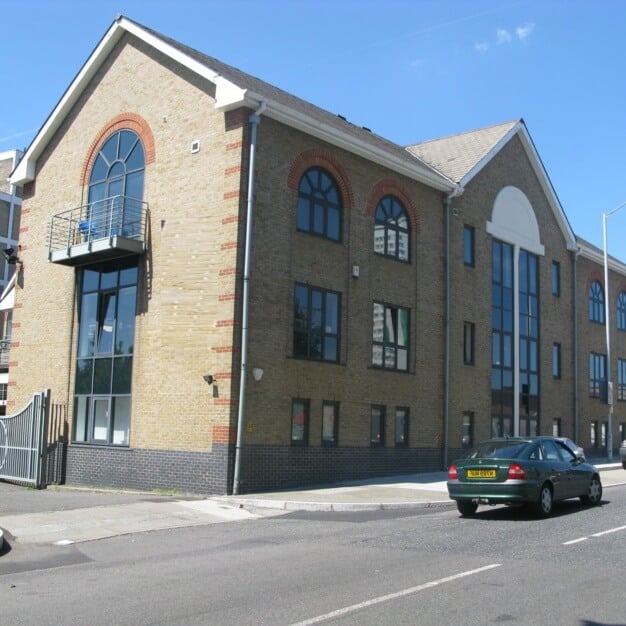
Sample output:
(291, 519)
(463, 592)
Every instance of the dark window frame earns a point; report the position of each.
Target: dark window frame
(303, 429)
(469, 339)
(597, 375)
(326, 441)
(556, 360)
(621, 379)
(377, 425)
(596, 302)
(391, 218)
(385, 347)
(313, 340)
(319, 200)
(402, 419)
(556, 278)
(469, 243)
(621, 311)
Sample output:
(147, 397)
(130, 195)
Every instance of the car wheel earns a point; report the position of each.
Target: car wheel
(466, 507)
(543, 506)
(594, 494)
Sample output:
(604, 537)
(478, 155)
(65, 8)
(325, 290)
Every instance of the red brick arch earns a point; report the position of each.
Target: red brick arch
(326, 160)
(390, 187)
(123, 121)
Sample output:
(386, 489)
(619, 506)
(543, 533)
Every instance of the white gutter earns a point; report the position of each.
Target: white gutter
(254, 120)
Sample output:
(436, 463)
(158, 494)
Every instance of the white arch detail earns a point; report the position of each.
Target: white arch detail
(513, 220)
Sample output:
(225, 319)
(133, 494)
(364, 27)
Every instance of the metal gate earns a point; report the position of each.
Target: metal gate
(23, 442)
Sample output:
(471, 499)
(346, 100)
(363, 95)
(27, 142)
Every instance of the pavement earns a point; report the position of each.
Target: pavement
(63, 515)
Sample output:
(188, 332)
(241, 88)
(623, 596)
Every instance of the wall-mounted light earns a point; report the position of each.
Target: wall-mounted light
(209, 379)
(257, 373)
(10, 255)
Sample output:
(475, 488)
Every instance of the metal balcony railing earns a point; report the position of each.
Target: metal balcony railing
(103, 229)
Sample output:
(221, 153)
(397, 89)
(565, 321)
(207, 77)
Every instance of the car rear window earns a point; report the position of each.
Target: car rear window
(497, 450)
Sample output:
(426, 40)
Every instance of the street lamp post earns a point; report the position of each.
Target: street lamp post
(607, 309)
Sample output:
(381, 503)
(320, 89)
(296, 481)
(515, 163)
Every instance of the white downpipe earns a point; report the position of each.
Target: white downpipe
(254, 120)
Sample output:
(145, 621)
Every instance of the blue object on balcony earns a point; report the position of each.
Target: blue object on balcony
(86, 228)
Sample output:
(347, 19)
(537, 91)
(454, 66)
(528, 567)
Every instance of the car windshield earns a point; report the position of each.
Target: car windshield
(497, 450)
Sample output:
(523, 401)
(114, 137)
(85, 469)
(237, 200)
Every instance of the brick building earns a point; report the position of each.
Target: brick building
(231, 289)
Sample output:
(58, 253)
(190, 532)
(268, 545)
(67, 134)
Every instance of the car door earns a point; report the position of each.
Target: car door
(557, 469)
(577, 478)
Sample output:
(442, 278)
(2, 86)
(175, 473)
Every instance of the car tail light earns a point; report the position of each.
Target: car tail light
(516, 472)
(452, 473)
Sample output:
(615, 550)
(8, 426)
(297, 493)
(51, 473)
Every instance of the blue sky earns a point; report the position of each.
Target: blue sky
(410, 70)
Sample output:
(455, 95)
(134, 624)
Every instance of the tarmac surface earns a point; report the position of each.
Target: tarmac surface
(63, 515)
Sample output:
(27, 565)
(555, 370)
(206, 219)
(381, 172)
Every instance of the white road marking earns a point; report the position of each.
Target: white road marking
(600, 534)
(393, 596)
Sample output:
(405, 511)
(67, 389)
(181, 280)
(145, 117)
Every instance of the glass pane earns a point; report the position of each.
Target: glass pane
(403, 246)
(101, 419)
(332, 313)
(128, 276)
(403, 327)
(122, 374)
(91, 280)
(378, 323)
(102, 376)
(318, 218)
(330, 349)
(125, 332)
(302, 214)
(81, 419)
(121, 420)
(83, 376)
(402, 356)
(377, 355)
(316, 310)
(391, 242)
(390, 357)
(376, 434)
(390, 325)
(99, 170)
(334, 224)
(328, 423)
(400, 430)
(134, 185)
(88, 326)
(107, 323)
(379, 238)
(298, 421)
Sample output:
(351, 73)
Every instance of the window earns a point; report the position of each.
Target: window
(621, 379)
(593, 433)
(377, 426)
(401, 429)
(596, 302)
(390, 337)
(316, 323)
(467, 431)
(299, 422)
(556, 426)
(621, 429)
(115, 183)
(621, 311)
(391, 229)
(603, 430)
(468, 245)
(597, 375)
(330, 422)
(556, 360)
(468, 343)
(556, 278)
(319, 205)
(106, 330)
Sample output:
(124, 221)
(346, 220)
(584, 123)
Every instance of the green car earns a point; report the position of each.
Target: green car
(535, 471)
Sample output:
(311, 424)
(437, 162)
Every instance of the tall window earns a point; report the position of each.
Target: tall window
(115, 185)
(467, 430)
(468, 245)
(468, 343)
(502, 339)
(556, 278)
(330, 423)
(401, 427)
(108, 295)
(391, 229)
(621, 311)
(556, 360)
(390, 337)
(316, 323)
(377, 426)
(299, 422)
(596, 302)
(319, 205)
(528, 344)
(621, 379)
(593, 433)
(597, 375)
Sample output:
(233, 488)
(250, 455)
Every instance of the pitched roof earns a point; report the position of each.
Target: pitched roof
(235, 89)
(457, 156)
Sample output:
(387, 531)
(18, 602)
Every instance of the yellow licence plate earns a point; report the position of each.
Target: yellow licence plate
(481, 473)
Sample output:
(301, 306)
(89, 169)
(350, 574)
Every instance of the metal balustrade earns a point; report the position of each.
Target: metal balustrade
(104, 229)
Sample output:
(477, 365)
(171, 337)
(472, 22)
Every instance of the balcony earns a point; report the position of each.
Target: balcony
(103, 230)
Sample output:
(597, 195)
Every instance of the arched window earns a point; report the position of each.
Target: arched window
(116, 186)
(391, 229)
(596, 302)
(621, 311)
(319, 205)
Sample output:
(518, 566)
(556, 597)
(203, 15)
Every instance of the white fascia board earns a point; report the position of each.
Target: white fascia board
(597, 256)
(310, 126)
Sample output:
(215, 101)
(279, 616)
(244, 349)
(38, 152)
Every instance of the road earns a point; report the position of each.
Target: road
(422, 566)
